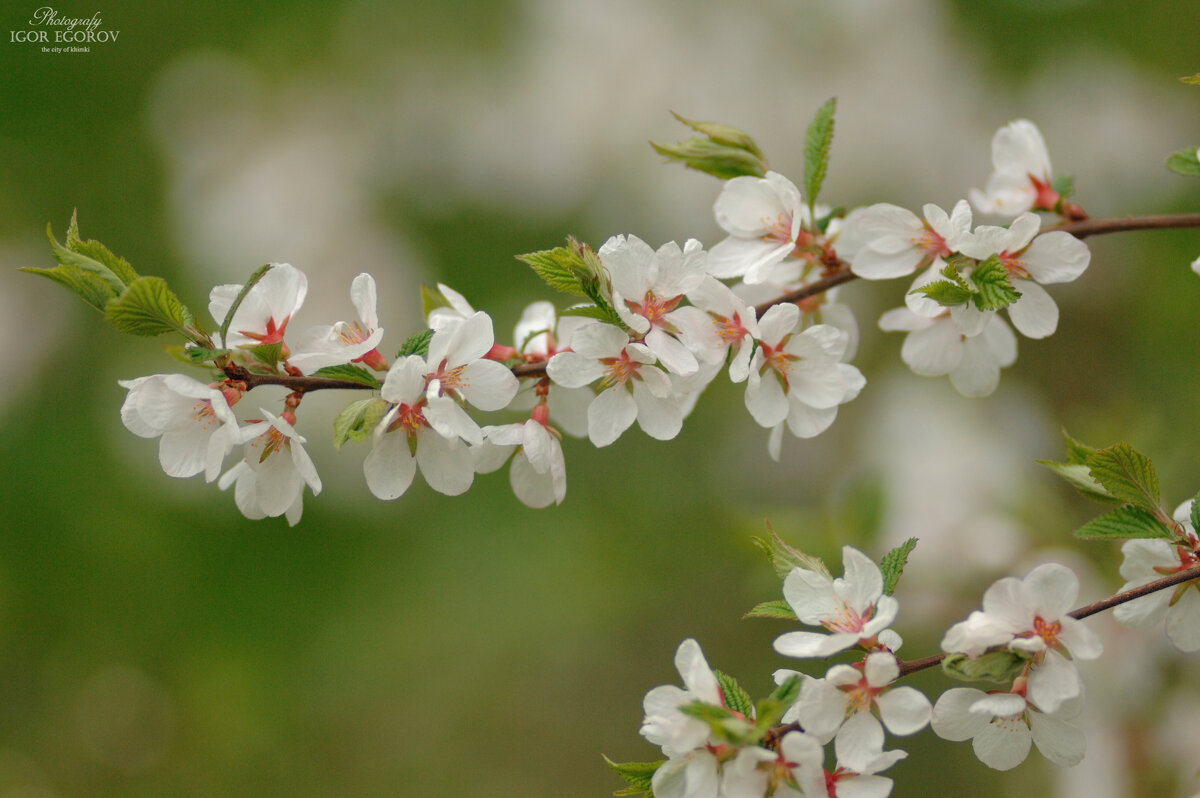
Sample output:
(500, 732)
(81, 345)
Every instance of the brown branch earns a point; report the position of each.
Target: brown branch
(1179, 577)
(839, 274)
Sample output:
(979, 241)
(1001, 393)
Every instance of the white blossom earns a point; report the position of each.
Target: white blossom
(1030, 615)
(664, 725)
(344, 342)
(1003, 726)
(852, 607)
(884, 241)
(937, 346)
(765, 219)
(265, 310)
(194, 422)
(1020, 179)
(538, 473)
(631, 386)
(1148, 560)
(271, 478)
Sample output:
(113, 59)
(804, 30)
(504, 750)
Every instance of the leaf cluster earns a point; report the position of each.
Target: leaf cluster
(985, 284)
(720, 150)
(576, 269)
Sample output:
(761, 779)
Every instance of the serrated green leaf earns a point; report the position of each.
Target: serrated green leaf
(1077, 453)
(945, 293)
(892, 564)
(68, 257)
(358, 420)
(778, 609)
(993, 666)
(593, 312)
(1185, 162)
(561, 268)
(638, 774)
(1126, 474)
(1124, 523)
(818, 140)
(1194, 516)
(268, 355)
(736, 698)
(88, 286)
(416, 344)
(784, 557)
(349, 373)
(1079, 476)
(99, 253)
(147, 307)
(994, 290)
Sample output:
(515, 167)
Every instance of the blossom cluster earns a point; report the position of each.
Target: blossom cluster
(661, 325)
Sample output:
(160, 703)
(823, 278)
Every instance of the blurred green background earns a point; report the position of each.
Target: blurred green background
(153, 643)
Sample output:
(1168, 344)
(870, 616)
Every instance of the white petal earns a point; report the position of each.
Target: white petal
(534, 489)
(389, 467)
(1035, 314)
(1056, 257)
(1059, 741)
(952, 718)
(659, 417)
(1053, 682)
(1003, 744)
(1183, 620)
(935, 350)
(671, 353)
(573, 370)
(610, 413)
(447, 465)
(978, 373)
(488, 385)
(904, 710)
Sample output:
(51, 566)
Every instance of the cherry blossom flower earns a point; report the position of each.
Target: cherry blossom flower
(538, 473)
(884, 241)
(664, 725)
(631, 388)
(457, 311)
(345, 341)
(796, 373)
(539, 335)
(852, 607)
(765, 219)
(691, 775)
(264, 313)
(721, 322)
(647, 286)
(1002, 727)
(785, 773)
(859, 758)
(194, 421)
(1020, 178)
(937, 346)
(1031, 260)
(271, 478)
(1030, 615)
(406, 437)
(1148, 560)
(845, 699)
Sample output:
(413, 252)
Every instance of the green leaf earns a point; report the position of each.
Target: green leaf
(1195, 514)
(721, 151)
(1192, 79)
(99, 253)
(1124, 523)
(723, 723)
(778, 608)
(892, 564)
(431, 300)
(268, 354)
(1126, 474)
(993, 666)
(561, 268)
(147, 307)
(606, 315)
(788, 691)
(837, 213)
(358, 420)
(994, 291)
(417, 344)
(87, 285)
(1077, 453)
(237, 302)
(735, 697)
(1184, 162)
(638, 774)
(1063, 185)
(945, 293)
(199, 355)
(1079, 476)
(784, 557)
(772, 708)
(68, 257)
(818, 140)
(349, 372)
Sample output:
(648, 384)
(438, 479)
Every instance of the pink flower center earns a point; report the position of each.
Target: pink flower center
(779, 229)
(202, 413)
(729, 330)
(1049, 632)
(847, 620)
(1015, 266)
(931, 242)
(778, 359)
(618, 370)
(273, 441)
(1047, 198)
(409, 418)
(272, 335)
(654, 307)
(451, 380)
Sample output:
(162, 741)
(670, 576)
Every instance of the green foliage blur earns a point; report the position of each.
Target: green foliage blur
(154, 643)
